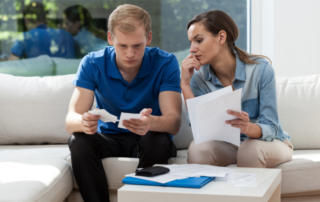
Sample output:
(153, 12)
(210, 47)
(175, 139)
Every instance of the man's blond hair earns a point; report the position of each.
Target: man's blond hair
(127, 18)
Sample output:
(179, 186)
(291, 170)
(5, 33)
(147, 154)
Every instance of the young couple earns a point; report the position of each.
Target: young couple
(129, 77)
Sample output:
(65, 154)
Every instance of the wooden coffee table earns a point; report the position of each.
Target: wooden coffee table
(267, 189)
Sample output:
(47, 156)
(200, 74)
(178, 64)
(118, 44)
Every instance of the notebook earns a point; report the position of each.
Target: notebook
(191, 182)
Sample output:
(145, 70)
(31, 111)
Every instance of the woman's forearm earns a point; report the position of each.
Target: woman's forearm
(254, 131)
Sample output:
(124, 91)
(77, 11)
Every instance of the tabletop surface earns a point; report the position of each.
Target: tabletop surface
(265, 179)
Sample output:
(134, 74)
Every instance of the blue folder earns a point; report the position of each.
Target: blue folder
(191, 182)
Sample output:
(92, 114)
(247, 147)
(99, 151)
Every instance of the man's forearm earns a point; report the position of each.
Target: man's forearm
(73, 123)
(169, 123)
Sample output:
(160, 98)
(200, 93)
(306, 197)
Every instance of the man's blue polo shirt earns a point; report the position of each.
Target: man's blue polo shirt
(98, 72)
(43, 40)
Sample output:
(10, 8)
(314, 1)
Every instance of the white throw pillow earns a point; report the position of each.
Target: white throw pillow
(33, 109)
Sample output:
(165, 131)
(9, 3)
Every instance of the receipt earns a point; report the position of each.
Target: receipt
(127, 116)
(104, 115)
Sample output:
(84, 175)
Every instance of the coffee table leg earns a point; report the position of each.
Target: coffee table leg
(276, 196)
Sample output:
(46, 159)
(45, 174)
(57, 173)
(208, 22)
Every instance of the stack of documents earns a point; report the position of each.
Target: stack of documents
(178, 172)
(185, 171)
(208, 114)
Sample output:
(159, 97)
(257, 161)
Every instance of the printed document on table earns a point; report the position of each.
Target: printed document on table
(127, 116)
(194, 102)
(212, 115)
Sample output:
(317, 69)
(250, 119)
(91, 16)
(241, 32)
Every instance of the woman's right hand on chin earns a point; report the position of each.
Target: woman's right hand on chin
(187, 69)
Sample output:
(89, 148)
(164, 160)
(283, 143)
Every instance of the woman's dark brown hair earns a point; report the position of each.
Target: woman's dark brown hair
(215, 21)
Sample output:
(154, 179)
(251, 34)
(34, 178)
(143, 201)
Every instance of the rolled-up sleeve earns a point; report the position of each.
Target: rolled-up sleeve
(268, 119)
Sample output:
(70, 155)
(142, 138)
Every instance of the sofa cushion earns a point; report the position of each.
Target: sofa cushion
(33, 109)
(47, 180)
(116, 168)
(13, 153)
(66, 66)
(302, 174)
(298, 108)
(39, 66)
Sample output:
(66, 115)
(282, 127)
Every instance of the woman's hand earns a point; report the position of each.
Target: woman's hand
(242, 122)
(187, 69)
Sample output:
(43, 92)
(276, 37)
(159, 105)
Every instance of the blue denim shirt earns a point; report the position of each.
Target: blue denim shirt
(258, 97)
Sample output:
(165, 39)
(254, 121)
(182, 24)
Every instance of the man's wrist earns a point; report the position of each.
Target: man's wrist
(152, 122)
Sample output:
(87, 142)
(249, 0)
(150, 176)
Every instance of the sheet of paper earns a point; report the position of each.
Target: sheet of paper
(160, 178)
(196, 170)
(212, 115)
(104, 115)
(127, 116)
(239, 179)
(194, 102)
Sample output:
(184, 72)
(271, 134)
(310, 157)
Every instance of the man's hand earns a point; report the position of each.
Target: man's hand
(139, 126)
(242, 122)
(89, 123)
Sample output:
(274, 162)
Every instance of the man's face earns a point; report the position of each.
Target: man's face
(129, 47)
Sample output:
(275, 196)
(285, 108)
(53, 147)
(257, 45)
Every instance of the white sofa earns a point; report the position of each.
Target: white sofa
(35, 159)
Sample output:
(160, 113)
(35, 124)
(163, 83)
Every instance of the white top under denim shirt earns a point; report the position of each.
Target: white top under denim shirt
(258, 97)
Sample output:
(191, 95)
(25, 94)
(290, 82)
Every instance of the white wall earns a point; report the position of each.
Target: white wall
(289, 33)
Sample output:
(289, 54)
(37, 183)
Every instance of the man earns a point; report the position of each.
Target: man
(40, 39)
(128, 77)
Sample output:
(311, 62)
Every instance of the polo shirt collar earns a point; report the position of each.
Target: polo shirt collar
(143, 72)
(240, 72)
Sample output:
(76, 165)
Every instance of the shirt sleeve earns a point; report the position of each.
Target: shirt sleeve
(196, 90)
(85, 76)
(18, 47)
(171, 77)
(268, 118)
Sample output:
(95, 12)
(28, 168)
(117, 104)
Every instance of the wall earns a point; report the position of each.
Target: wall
(288, 33)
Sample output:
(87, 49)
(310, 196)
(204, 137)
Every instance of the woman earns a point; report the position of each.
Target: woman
(77, 21)
(220, 63)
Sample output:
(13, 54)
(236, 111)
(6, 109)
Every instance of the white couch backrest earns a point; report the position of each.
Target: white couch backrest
(33, 109)
(299, 110)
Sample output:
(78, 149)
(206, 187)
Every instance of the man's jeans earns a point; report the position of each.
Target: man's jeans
(88, 150)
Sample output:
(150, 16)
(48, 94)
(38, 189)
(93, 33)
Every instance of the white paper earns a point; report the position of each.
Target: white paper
(104, 115)
(188, 170)
(168, 177)
(240, 179)
(127, 116)
(196, 170)
(197, 101)
(211, 118)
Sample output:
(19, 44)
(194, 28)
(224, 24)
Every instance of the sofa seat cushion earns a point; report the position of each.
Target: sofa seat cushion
(302, 174)
(48, 180)
(13, 153)
(116, 168)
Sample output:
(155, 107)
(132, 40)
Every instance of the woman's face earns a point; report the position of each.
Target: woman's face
(204, 45)
(71, 27)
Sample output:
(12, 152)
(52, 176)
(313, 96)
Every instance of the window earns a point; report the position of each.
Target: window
(59, 39)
